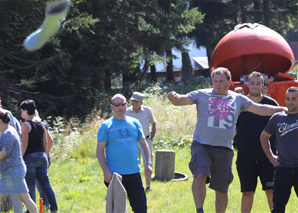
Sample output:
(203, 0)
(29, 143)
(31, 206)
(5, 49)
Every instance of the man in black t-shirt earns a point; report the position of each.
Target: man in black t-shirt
(284, 126)
(251, 159)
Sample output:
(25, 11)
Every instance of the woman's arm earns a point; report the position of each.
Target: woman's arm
(50, 140)
(25, 136)
(45, 141)
(3, 153)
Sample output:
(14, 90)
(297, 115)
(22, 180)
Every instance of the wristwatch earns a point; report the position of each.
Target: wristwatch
(149, 163)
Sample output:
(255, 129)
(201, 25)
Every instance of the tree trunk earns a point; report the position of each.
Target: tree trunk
(209, 52)
(143, 74)
(131, 77)
(187, 70)
(242, 12)
(6, 204)
(98, 81)
(170, 72)
(107, 81)
(266, 13)
(153, 74)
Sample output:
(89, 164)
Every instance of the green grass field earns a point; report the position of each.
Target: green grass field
(79, 188)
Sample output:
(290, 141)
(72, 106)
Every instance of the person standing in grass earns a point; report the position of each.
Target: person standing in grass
(284, 125)
(251, 160)
(12, 166)
(212, 150)
(117, 151)
(42, 193)
(146, 118)
(35, 153)
(16, 202)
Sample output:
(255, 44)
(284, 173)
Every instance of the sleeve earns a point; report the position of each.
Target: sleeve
(102, 133)
(151, 117)
(140, 130)
(12, 121)
(270, 127)
(193, 96)
(8, 141)
(245, 102)
(45, 125)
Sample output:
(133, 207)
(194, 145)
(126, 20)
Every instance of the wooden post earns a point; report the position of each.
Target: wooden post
(165, 165)
(6, 204)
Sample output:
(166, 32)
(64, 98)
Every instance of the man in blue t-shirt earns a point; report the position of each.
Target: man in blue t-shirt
(212, 149)
(284, 126)
(117, 151)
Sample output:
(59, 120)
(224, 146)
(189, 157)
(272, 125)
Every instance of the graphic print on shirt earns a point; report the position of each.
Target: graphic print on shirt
(285, 128)
(222, 113)
(124, 133)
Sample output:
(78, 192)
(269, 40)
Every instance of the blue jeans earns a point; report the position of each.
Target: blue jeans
(40, 190)
(37, 168)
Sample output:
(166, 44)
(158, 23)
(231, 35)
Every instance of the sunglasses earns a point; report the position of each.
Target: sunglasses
(119, 104)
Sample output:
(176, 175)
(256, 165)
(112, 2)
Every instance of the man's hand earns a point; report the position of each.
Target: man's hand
(148, 170)
(178, 99)
(274, 160)
(173, 96)
(108, 176)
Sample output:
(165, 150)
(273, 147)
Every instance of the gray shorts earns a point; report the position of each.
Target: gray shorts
(213, 161)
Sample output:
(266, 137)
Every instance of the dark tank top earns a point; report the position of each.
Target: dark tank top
(35, 138)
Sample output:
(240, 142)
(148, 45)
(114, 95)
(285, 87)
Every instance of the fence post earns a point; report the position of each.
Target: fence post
(165, 165)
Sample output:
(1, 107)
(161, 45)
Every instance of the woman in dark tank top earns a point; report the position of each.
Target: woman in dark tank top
(35, 151)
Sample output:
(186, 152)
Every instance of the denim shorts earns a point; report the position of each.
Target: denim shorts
(12, 181)
(214, 162)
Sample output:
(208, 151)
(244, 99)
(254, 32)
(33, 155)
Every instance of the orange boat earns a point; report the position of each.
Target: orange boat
(254, 47)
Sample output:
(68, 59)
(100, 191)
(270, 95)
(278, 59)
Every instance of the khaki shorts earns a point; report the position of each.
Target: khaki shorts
(213, 161)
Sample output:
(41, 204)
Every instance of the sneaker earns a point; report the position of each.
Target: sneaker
(148, 189)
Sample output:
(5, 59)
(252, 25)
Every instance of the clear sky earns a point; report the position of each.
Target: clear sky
(194, 52)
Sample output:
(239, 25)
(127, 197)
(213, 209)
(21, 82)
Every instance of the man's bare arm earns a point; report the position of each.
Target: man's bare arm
(178, 99)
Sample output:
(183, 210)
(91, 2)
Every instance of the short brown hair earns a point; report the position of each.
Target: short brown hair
(238, 89)
(292, 89)
(221, 70)
(256, 74)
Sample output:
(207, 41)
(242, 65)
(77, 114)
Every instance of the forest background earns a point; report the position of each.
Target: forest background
(102, 39)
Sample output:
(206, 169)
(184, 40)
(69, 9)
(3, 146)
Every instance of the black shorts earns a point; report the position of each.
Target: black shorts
(249, 171)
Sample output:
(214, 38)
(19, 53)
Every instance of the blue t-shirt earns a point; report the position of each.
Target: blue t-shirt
(11, 141)
(121, 148)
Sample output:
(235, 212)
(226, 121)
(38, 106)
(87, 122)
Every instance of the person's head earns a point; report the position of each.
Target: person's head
(292, 100)
(119, 105)
(255, 83)
(137, 100)
(221, 80)
(4, 119)
(28, 107)
(239, 90)
(265, 89)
